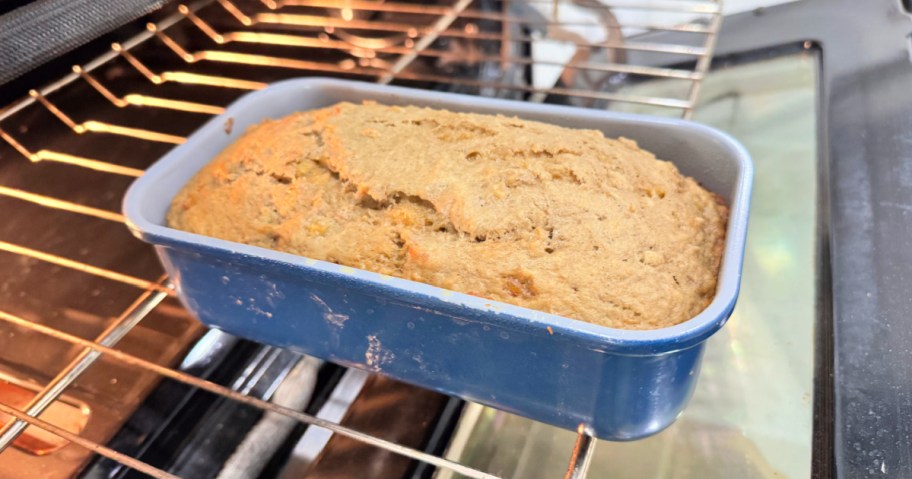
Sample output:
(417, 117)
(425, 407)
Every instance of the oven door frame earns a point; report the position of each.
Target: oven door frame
(863, 350)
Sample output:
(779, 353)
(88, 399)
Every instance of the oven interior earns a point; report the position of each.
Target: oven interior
(94, 344)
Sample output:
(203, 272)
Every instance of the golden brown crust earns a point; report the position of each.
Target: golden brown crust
(560, 220)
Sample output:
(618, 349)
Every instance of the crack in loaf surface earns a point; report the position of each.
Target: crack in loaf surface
(559, 220)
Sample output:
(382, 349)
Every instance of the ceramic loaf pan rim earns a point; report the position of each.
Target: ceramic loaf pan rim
(588, 335)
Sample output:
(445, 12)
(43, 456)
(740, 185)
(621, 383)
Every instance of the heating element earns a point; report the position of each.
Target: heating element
(580, 52)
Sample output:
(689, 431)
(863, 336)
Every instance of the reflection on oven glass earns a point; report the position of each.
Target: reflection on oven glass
(751, 415)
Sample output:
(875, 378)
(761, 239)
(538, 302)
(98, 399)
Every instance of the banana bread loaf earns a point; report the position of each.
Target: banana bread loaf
(555, 219)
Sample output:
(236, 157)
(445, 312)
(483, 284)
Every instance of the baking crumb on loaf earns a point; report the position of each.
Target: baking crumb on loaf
(550, 218)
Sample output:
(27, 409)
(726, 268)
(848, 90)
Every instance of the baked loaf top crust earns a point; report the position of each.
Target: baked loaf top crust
(550, 218)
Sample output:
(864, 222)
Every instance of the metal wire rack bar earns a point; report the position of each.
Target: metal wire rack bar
(671, 6)
(46, 155)
(51, 202)
(317, 21)
(83, 267)
(685, 6)
(422, 50)
(325, 43)
(419, 44)
(439, 26)
(703, 65)
(581, 457)
(144, 100)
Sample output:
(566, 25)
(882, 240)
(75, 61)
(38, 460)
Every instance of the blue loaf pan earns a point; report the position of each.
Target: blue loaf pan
(619, 384)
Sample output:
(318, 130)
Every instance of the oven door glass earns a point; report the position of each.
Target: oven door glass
(751, 415)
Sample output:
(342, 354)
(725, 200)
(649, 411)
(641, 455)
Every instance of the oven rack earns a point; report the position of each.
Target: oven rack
(288, 27)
